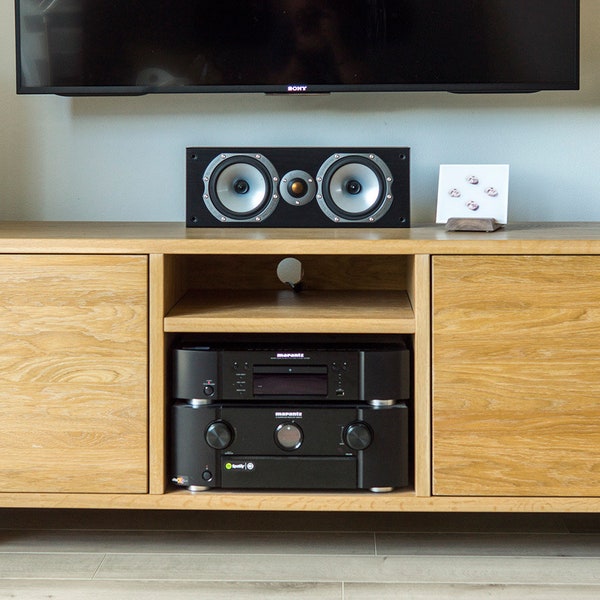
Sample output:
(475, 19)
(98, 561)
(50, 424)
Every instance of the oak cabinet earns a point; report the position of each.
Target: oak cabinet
(504, 329)
(73, 373)
(516, 377)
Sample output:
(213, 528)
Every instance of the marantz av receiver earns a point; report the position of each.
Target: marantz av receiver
(290, 417)
(289, 446)
(298, 187)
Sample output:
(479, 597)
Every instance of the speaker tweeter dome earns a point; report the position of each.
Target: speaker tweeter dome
(298, 187)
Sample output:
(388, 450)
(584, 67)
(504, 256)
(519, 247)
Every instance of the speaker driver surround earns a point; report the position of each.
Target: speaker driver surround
(240, 187)
(354, 188)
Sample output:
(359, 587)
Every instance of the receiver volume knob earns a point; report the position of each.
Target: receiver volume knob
(358, 436)
(218, 435)
(289, 436)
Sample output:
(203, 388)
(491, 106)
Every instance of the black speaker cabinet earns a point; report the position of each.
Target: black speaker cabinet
(298, 187)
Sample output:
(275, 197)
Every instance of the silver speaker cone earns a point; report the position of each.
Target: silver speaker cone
(354, 187)
(240, 187)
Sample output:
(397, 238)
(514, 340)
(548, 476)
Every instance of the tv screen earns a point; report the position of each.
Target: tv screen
(113, 47)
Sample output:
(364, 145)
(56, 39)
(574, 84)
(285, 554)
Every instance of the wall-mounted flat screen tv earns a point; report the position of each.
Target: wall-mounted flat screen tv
(114, 47)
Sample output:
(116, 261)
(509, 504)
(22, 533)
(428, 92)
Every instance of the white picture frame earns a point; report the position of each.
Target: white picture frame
(473, 191)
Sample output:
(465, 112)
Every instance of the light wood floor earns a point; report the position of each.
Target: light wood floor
(100, 555)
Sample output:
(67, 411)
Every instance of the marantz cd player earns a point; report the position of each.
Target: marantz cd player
(324, 373)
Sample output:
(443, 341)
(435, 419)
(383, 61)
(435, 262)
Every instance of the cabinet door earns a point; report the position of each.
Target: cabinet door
(516, 375)
(73, 374)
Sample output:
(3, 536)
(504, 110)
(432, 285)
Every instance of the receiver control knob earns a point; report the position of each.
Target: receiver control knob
(219, 435)
(358, 436)
(288, 436)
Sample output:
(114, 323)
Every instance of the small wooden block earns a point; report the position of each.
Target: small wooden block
(464, 224)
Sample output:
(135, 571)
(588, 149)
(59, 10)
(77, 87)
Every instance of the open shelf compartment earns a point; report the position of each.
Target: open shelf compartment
(339, 294)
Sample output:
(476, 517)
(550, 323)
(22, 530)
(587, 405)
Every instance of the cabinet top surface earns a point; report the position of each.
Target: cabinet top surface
(175, 238)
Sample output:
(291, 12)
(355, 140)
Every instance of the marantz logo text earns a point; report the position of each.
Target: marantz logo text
(290, 355)
(288, 414)
(297, 88)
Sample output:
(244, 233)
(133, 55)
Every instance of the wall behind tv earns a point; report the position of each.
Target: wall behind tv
(123, 158)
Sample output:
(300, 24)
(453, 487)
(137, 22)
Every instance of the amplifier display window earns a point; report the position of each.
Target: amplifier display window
(290, 381)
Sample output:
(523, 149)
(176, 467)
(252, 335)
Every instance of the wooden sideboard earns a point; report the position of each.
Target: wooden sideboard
(505, 329)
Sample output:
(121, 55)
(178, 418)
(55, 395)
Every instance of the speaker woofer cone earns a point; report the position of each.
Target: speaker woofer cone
(354, 188)
(240, 187)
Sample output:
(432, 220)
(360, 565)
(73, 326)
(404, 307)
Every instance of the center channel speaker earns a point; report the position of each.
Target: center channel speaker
(298, 187)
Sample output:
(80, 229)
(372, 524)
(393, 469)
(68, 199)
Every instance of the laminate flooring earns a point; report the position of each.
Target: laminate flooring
(155, 555)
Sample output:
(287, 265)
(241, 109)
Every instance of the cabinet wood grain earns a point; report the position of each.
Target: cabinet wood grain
(516, 384)
(73, 373)
(289, 312)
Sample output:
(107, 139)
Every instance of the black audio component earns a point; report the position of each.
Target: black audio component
(328, 373)
(298, 187)
(289, 446)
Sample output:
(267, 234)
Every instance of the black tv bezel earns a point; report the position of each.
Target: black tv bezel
(300, 88)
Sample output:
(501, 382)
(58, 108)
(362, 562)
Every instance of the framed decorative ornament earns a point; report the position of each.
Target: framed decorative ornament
(472, 194)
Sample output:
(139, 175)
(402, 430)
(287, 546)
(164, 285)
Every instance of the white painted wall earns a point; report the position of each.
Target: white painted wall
(123, 158)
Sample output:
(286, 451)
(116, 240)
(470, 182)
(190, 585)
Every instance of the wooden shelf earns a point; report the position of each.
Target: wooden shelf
(285, 311)
(274, 500)
(398, 501)
(51, 237)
